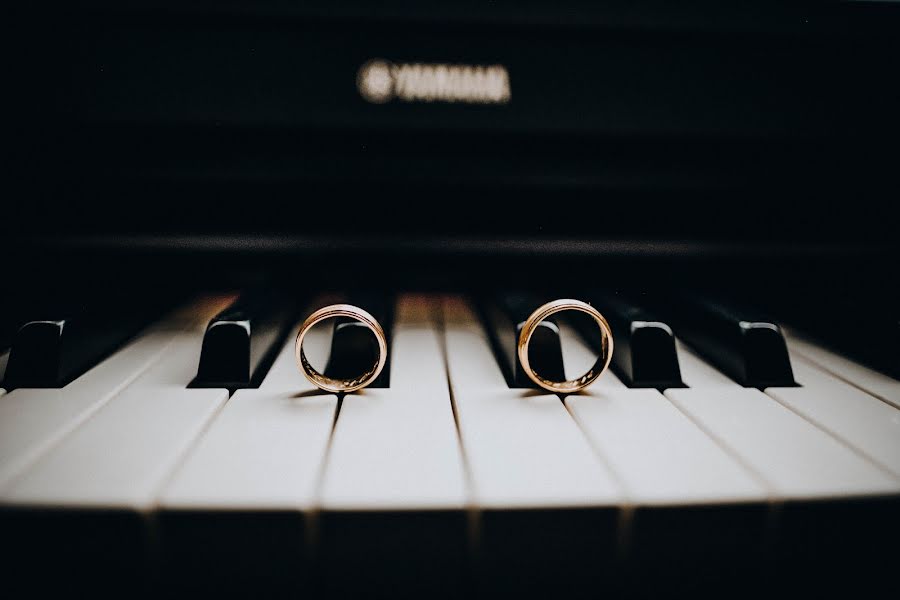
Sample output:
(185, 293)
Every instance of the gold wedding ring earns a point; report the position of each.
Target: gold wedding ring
(341, 386)
(544, 312)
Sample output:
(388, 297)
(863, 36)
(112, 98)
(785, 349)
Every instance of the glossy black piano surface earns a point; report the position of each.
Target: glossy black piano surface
(740, 122)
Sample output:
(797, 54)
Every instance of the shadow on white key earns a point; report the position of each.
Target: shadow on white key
(32, 421)
(244, 493)
(697, 373)
(659, 455)
(873, 382)
(523, 448)
(264, 450)
(394, 489)
(834, 505)
(793, 452)
(843, 545)
(397, 448)
(547, 504)
(87, 497)
(691, 501)
(796, 459)
(862, 421)
(119, 457)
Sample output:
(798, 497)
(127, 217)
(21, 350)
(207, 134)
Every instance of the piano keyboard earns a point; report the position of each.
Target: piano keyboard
(128, 478)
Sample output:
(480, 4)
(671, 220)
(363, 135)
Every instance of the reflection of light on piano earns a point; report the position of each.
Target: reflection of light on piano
(379, 81)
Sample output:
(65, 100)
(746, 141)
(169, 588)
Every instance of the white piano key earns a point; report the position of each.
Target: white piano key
(697, 373)
(33, 420)
(875, 383)
(283, 375)
(796, 459)
(523, 448)
(578, 356)
(397, 448)
(661, 456)
(122, 454)
(265, 449)
(859, 419)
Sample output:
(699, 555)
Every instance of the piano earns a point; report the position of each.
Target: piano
(187, 181)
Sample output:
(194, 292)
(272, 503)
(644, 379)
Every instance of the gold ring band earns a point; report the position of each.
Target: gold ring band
(338, 386)
(544, 312)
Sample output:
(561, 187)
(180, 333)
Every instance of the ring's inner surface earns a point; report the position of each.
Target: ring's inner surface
(317, 344)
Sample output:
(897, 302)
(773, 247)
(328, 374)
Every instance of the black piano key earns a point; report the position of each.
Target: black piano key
(354, 348)
(504, 316)
(644, 353)
(16, 311)
(57, 344)
(744, 344)
(7, 331)
(863, 325)
(241, 342)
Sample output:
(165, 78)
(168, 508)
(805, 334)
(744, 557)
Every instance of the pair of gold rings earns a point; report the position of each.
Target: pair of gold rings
(542, 313)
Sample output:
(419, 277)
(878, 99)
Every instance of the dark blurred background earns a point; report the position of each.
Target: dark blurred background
(647, 140)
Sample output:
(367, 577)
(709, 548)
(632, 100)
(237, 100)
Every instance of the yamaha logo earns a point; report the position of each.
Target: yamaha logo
(380, 81)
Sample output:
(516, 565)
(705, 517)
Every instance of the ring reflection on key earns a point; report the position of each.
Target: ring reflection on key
(547, 310)
(352, 383)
